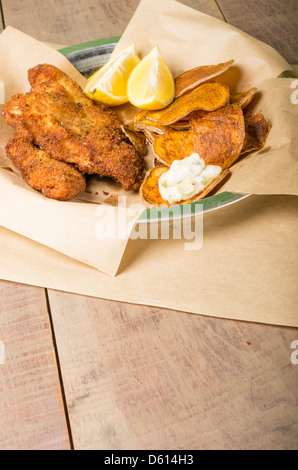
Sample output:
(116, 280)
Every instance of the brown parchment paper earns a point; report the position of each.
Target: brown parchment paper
(186, 38)
(247, 268)
(73, 228)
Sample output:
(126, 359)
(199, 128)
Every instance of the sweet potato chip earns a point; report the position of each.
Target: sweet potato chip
(194, 77)
(141, 123)
(140, 115)
(149, 190)
(199, 113)
(207, 97)
(167, 147)
(181, 125)
(146, 124)
(150, 136)
(219, 136)
(137, 139)
(188, 144)
(243, 99)
(157, 162)
(256, 131)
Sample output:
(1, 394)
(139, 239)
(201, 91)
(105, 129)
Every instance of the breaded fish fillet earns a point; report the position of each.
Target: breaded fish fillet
(56, 180)
(57, 116)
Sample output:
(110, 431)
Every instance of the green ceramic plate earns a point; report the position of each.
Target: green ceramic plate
(87, 58)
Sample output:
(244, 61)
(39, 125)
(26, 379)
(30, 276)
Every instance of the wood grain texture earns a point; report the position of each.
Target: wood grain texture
(1, 22)
(205, 6)
(75, 21)
(32, 413)
(274, 22)
(145, 378)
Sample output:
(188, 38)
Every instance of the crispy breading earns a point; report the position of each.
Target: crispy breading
(57, 116)
(55, 179)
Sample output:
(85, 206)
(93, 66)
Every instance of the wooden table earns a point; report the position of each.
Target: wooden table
(86, 373)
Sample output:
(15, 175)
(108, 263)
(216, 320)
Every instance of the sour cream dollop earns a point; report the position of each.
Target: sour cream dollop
(186, 178)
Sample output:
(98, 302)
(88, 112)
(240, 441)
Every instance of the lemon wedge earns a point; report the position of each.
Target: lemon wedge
(151, 84)
(109, 84)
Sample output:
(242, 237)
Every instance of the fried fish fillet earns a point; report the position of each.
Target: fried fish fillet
(55, 179)
(57, 116)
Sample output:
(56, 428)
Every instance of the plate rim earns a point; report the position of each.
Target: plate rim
(88, 44)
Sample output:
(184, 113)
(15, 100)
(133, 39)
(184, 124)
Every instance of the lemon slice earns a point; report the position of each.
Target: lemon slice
(151, 84)
(109, 84)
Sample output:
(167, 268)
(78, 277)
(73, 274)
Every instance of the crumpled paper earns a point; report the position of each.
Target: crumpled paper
(186, 38)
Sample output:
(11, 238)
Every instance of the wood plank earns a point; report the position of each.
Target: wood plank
(75, 21)
(145, 378)
(274, 22)
(1, 22)
(32, 414)
(205, 6)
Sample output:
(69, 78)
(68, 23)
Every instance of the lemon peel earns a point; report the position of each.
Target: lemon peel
(109, 84)
(151, 84)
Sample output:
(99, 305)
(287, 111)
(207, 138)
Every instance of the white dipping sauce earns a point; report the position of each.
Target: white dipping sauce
(186, 178)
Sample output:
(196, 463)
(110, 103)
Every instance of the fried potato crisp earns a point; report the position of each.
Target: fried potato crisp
(180, 125)
(137, 139)
(188, 144)
(150, 136)
(243, 99)
(149, 190)
(204, 118)
(139, 116)
(194, 77)
(198, 113)
(157, 162)
(256, 130)
(167, 147)
(146, 124)
(219, 136)
(206, 97)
